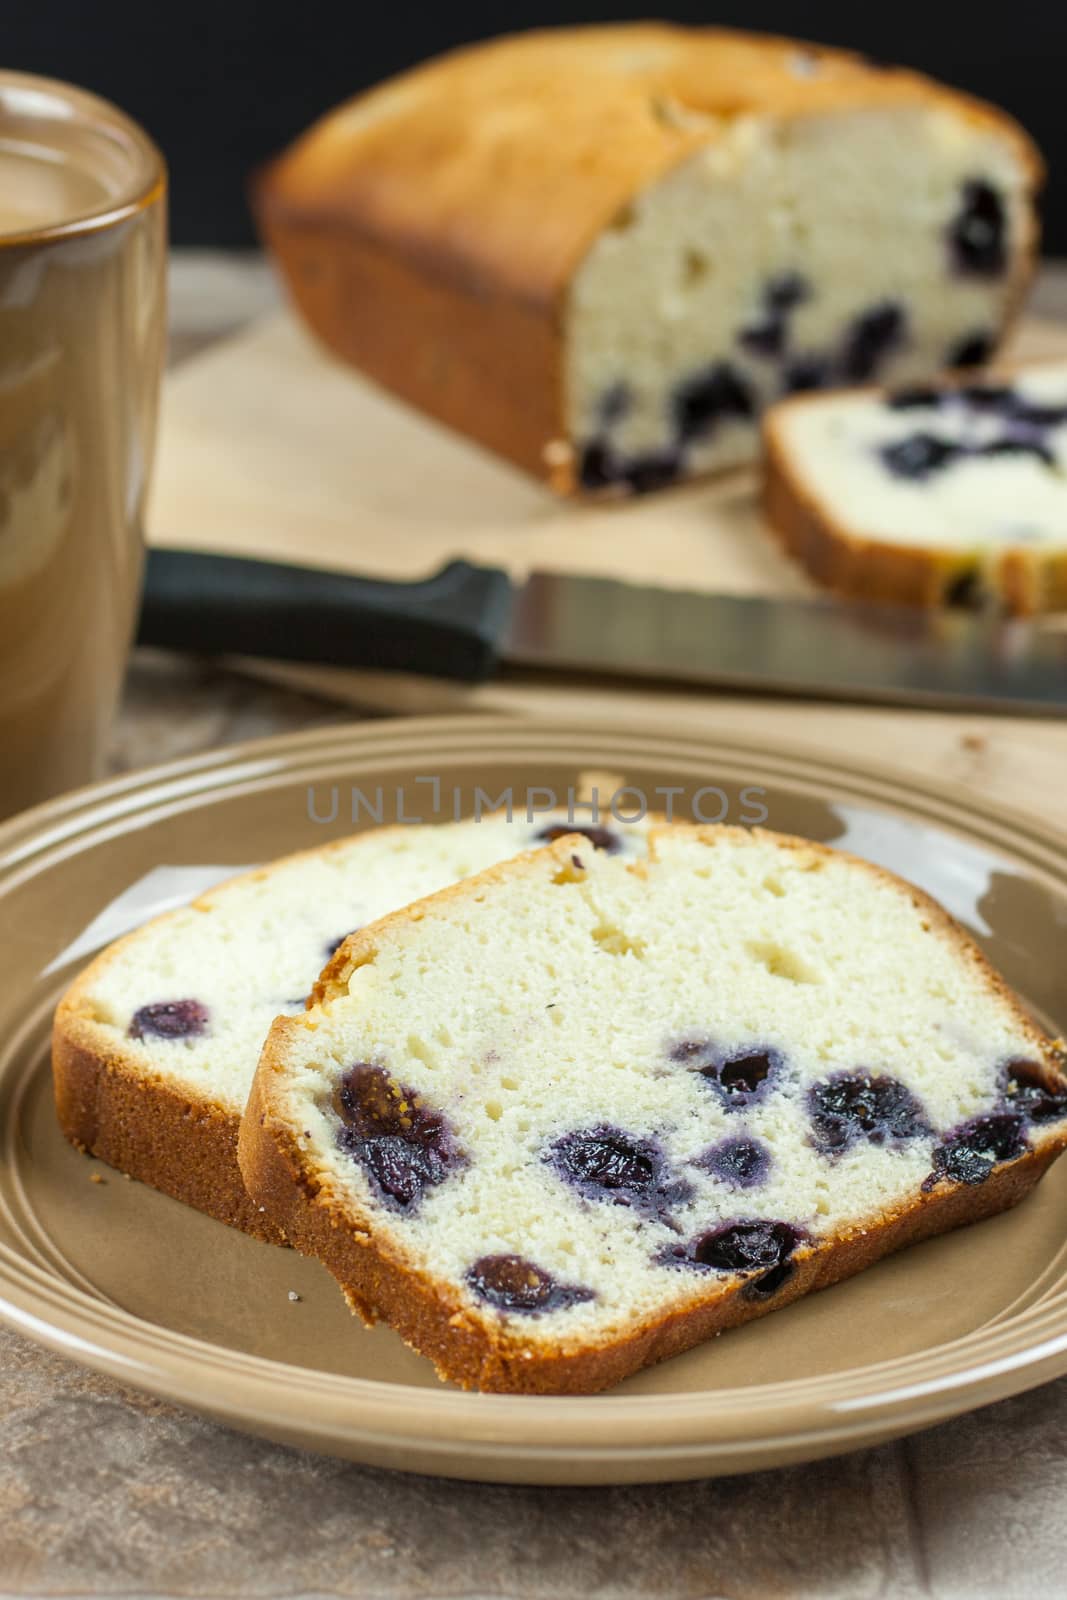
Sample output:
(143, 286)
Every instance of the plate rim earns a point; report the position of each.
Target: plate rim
(698, 1432)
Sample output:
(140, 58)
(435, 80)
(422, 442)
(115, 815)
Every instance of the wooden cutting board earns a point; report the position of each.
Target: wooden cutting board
(271, 448)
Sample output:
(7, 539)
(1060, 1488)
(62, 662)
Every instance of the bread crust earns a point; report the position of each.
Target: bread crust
(419, 241)
(423, 338)
(472, 1347)
(181, 1144)
(1021, 581)
(110, 1103)
(466, 1350)
(171, 1135)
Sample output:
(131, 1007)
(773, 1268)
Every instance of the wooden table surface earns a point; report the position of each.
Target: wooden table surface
(107, 1492)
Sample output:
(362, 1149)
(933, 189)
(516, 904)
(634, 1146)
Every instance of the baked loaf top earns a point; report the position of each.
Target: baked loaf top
(565, 1105)
(500, 164)
(189, 997)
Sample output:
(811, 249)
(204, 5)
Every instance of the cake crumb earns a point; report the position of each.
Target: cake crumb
(558, 457)
(558, 453)
(97, 1177)
(293, 1295)
(595, 786)
(974, 741)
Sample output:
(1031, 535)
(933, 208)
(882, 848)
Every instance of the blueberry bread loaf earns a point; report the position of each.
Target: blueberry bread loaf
(582, 1112)
(601, 251)
(155, 1044)
(949, 493)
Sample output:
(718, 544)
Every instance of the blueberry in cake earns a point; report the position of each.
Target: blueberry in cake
(601, 251)
(585, 1110)
(938, 493)
(155, 1045)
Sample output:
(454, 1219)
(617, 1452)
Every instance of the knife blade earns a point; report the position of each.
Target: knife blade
(466, 620)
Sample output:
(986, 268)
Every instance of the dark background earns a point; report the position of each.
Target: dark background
(223, 85)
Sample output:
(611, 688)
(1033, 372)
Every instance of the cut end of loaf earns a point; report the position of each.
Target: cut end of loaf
(665, 230)
(804, 255)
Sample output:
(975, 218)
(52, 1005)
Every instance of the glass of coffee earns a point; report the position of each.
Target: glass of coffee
(82, 335)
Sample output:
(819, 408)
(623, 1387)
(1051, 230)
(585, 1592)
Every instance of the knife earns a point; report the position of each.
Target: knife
(465, 621)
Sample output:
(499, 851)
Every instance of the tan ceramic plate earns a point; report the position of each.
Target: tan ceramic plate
(130, 1282)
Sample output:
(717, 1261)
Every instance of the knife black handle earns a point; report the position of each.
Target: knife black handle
(449, 625)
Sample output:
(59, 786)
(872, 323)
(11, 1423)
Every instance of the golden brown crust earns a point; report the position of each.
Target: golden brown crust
(490, 165)
(110, 1103)
(178, 1143)
(463, 1347)
(473, 1348)
(843, 559)
(433, 222)
(420, 336)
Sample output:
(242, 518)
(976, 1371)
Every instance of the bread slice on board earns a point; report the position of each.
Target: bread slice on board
(947, 493)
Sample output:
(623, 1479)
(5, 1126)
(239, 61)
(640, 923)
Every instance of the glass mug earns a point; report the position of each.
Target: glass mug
(82, 338)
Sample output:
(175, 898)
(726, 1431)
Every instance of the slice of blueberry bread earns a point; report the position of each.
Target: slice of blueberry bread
(949, 493)
(155, 1044)
(582, 1112)
(602, 250)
